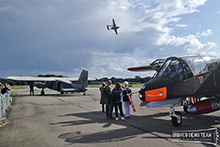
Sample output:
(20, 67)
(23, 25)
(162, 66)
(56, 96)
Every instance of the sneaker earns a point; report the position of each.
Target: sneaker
(116, 118)
(122, 118)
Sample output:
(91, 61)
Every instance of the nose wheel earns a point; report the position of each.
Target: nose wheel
(175, 116)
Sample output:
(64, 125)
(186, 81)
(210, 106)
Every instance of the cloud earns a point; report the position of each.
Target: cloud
(181, 25)
(67, 36)
(208, 32)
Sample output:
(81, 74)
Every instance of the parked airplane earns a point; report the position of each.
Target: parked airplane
(113, 27)
(58, 84)
(189, 81)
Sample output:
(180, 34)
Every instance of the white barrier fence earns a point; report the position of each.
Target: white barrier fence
(5, 102)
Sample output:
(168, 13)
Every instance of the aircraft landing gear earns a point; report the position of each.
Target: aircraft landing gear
(42, 91)
(185, 108)
(176, 117)
(188, 102)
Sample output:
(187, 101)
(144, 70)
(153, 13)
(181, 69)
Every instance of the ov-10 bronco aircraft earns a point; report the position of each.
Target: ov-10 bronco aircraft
(189, 81)
(113, 27)
(58, 84)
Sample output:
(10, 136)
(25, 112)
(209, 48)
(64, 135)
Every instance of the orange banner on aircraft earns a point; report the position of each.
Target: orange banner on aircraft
(156, 94)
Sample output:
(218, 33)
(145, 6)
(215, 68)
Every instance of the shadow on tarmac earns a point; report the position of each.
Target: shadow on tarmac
(151, 125)
(53, 95)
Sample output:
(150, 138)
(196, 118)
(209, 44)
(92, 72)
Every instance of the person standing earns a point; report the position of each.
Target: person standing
(109, 104)
(31, 86)
(117, 95)
(126, 99)
(103, 99)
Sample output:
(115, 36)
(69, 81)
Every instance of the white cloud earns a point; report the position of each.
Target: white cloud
(181, 25)
(208, 32)
(71, 35)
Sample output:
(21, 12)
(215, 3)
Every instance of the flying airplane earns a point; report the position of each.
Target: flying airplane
(113, 27)
(191, 81)
(58, 84)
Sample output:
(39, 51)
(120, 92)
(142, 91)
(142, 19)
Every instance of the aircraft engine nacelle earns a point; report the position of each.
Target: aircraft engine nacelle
(39, 85)
(205, 106)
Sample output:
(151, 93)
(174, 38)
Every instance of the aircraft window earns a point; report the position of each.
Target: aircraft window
(187, 71)
(163, 69)
(212, 62)
(196, 64)
(172, 69)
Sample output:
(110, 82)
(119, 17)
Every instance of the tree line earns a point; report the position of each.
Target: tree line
(135, 80)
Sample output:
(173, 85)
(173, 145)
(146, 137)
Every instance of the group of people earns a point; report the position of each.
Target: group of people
(5, 88)
(113, 98)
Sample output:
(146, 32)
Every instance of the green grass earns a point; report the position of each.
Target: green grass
(18, 87)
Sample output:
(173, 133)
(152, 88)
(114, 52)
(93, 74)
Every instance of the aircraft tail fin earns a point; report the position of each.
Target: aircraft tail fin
(83, 79)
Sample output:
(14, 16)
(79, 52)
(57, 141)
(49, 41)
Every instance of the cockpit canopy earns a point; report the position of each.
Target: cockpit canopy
(185, 67)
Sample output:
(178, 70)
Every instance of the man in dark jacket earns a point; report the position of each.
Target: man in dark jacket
(109, 104)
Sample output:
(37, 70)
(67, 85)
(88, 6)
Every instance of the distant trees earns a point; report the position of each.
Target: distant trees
(50, 75)
(135, 80)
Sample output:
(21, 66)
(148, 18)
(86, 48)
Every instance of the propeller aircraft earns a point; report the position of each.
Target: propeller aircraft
(57, 83)
(113, 27)
(190, 81)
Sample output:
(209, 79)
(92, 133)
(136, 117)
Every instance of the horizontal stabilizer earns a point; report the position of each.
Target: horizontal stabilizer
(143, 68)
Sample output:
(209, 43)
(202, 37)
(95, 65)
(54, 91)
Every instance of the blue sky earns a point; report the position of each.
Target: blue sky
(64, 37)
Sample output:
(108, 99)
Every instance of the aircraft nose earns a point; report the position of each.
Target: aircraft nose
(157, 89)
(142, 93)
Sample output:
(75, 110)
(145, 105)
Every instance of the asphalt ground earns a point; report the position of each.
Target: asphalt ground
(56, 120)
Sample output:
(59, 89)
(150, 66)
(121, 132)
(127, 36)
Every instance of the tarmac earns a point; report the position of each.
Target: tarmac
(56, 120)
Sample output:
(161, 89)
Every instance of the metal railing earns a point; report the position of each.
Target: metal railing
(5, 102)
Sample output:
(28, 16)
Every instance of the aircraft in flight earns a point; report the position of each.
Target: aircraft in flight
(57, 83)
(113, 27)
(190, 81)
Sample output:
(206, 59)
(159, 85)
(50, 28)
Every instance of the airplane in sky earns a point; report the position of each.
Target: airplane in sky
(57, 83)
(189, 81)
(113, 27)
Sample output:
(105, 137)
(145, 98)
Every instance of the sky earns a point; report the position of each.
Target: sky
(65, 36)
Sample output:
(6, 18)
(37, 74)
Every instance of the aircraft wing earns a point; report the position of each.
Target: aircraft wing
(116, 32)
(113, 21)
(64, 81)
(41, 79)
(19, 78)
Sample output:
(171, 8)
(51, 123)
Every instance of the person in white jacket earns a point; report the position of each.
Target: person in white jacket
(126, 99)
